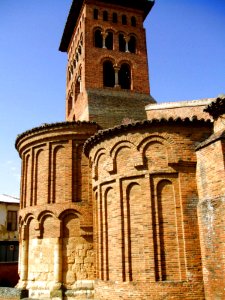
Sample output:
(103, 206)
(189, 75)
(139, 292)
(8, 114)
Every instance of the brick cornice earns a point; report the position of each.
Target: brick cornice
(53, 126)
(103, 134)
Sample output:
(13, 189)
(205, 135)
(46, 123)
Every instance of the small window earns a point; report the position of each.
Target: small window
(132, 44)
(12, 220)
(108, 74)
(125, 77)
(114, 18)
(122, 43)
(69, 74)
(98, 40)
(96, 14)
(77, 87)
(79, 50)
(70, 103)
(74, 63)
(109, 41)
(124, 19)
(105, 15)
(133, 21)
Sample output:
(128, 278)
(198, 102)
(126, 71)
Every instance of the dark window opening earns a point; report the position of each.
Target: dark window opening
(122, 43)
(133, 21)
(109, 41)
(132, 44)
(124, 19)
(105, 15)
(125, 77)
(77, 87)
(9, 251)
(70, 103)
(80, 50)
(12, 220)
(98, 39)
(96, 14)
(69, 74)
(114, 18)
(108, 74)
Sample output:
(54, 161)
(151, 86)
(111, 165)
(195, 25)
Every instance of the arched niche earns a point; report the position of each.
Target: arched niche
(166, 235)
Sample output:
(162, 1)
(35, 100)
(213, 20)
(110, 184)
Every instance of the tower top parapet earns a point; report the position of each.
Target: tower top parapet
(143, 5)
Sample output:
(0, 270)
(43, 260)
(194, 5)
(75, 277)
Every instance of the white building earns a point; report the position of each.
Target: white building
(9, 245)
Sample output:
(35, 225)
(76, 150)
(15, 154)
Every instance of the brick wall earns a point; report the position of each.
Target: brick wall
(56, 234)
(146, 211)
(210, 179)
(87, 105)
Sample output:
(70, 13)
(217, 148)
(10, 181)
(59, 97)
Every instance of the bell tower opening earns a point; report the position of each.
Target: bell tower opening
(108, 74)
(106, 41)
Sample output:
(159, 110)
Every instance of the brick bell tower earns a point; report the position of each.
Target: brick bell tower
(107, 72)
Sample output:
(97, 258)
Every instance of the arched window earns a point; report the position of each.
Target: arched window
(109, 41)
(124, 19)
(122, 43)
(69, 74)
(105, 15)
(114, 17)
(74, 63)
(98, 40)
(108, 74)
(79, 50)
(77, 87)
(125, 77)
(132, 44)
(96, 14)
(133, 21)
(70, 103)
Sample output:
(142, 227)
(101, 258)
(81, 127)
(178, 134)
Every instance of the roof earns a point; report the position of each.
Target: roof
(179, 104)
(212, 139)
(53, 126)
(111, 132)
(144, 5)
(9, 199)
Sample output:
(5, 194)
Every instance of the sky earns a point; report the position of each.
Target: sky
(186, 57)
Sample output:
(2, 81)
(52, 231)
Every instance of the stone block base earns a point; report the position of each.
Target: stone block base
(12, 293)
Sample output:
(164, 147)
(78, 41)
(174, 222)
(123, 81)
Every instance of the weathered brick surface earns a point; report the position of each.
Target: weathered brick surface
(211, 183)
(56, 239)
(146, 226)
(86, 102)
(126, 226)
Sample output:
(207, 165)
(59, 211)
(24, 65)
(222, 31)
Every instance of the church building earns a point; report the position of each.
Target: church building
(125, 199)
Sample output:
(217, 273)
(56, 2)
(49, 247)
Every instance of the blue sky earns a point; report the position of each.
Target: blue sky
(186, 49)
